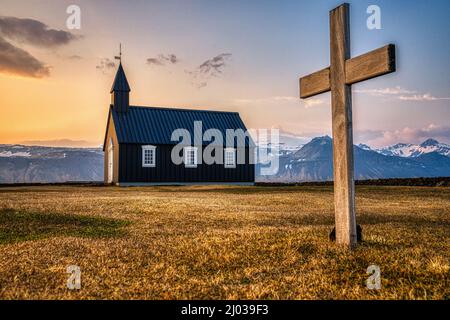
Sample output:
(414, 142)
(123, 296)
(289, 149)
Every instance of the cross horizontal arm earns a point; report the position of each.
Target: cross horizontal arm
(364, 67)
(315, 83)
(370, 65)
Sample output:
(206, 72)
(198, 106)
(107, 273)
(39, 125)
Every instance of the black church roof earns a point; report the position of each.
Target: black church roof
(154, 125)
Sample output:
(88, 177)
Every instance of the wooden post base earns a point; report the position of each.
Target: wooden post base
(359, 236)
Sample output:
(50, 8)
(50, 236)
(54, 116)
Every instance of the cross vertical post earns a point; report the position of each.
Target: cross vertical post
(341, 103)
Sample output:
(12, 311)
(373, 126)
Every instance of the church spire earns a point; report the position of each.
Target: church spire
(120, 90)
(120, 81)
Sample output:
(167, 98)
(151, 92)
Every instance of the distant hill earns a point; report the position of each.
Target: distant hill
(310, 162)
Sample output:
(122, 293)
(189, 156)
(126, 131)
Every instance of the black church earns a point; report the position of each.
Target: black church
(139, 144)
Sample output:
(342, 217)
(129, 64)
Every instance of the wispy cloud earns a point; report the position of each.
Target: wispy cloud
(208, 69)
(401, 94)
(308, 103)
(61, 143)
(277, 100)
(285, 98)
(34, 32)
(422, 97)
(154, 61)
(409, 135)
(163, 59)
(14, 60)
(75, 57)
(311, 102)
(386, 91)
(105, 65)
(214, 66)
(300, 138)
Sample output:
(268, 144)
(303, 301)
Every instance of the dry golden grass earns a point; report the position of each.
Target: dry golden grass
(220, 242)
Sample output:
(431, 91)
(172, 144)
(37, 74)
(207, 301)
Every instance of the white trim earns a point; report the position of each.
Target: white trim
(186, 151)
(152, 164)
(226, 165)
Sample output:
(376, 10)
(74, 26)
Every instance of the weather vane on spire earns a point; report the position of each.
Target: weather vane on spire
(119, 57)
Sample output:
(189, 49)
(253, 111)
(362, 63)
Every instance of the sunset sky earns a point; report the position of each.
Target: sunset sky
(243, 56)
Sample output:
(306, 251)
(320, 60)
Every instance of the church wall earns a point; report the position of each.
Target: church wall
(131, 170)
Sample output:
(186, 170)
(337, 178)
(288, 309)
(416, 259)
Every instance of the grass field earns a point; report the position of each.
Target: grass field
(220, 243)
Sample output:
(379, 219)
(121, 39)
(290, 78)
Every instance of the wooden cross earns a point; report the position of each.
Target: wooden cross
(338, 78)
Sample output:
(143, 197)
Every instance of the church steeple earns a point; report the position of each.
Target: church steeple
(120, 90)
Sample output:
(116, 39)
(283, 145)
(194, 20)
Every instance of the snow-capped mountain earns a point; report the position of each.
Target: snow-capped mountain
(412, 150)
(314, 162)
(28, 164)
(364, 146)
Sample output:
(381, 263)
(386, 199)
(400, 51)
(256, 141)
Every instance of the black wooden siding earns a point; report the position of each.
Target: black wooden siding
(165, 171)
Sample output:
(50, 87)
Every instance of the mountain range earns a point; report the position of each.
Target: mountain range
(412, 150)
(35, 164)
(312, 161)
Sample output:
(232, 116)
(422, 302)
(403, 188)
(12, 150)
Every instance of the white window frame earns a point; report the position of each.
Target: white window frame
(186, 152)
(153, 150)
(225, 162)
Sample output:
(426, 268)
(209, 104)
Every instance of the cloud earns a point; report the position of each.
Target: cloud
(33, 32)
(292, 134)
(285, 98)
(255, 102)
(62, 143)
(210, 68)
(105, 65)
(163, 59)
(277, 100)
(214, 66)
(311, 102)
(385, 91)
(308, 103)
(154, 61)
(401, 94)
(422, 97)
(410, 135)
(14, 60)
(365, 136)
(75, 57)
